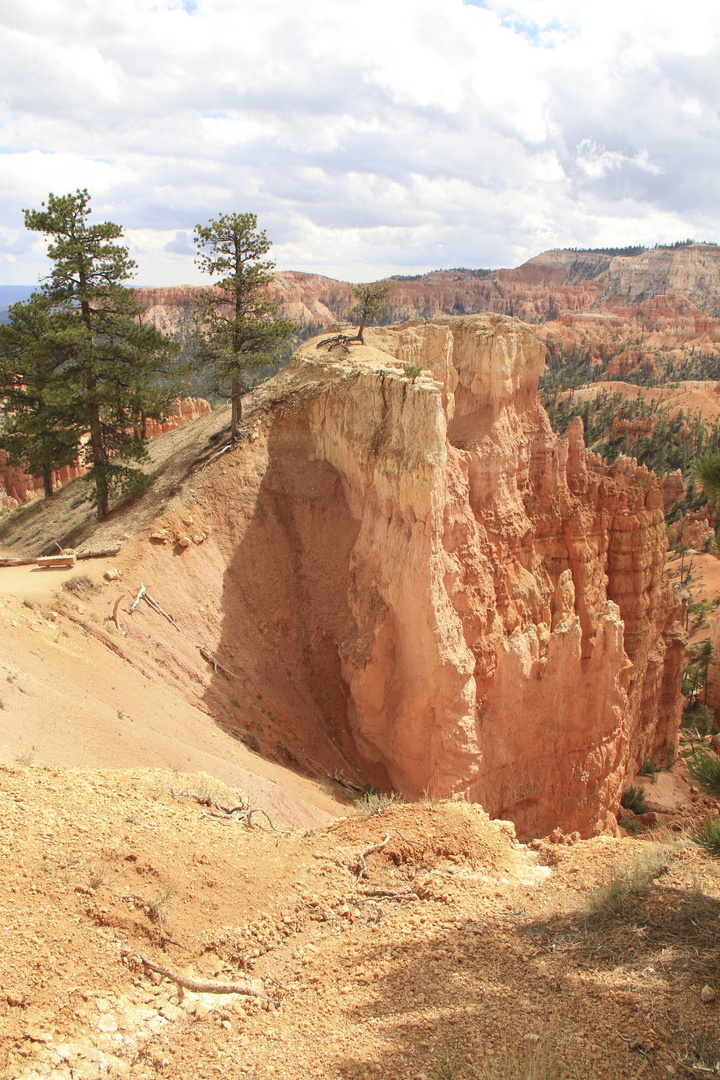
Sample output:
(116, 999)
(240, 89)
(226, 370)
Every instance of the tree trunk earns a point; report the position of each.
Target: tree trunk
(236, 407)
(47, 481)
(98, 459)
(359, 336)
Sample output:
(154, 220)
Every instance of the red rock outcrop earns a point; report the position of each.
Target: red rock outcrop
(17, 486)
(422, 583)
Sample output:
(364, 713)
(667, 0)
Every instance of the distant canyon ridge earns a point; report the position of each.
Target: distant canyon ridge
(630, 307)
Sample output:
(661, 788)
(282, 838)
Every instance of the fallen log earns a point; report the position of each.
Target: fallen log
(104, 553)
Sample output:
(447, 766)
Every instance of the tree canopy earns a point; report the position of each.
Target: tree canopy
(370, 303)
(38, 431)
(240, 330)
(115, 370)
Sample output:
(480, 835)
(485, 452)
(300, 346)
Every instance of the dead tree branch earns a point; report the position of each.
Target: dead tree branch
(243, 812)
(207, 655)
(136, 601)
(103, 554)
(370, 851)
(197, 986)
(342, 341)
(115, 616)
(156, 607)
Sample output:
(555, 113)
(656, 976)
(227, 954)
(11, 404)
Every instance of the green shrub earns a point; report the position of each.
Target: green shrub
(412, 372)
(704, 768)
(632, 825)
(634, 799)
(648, 768)
(698, 717)
(707, 836)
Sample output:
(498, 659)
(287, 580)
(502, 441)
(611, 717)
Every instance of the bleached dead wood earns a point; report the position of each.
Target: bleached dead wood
(156, 607)
(207, 655)
(136, 601)
(370, 851)
(342, 341)
(197, 986)
(243, 812)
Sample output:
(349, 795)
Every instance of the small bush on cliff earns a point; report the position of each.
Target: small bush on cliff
(707, 836)
(704, 768)
(634, 799)
(412, 372)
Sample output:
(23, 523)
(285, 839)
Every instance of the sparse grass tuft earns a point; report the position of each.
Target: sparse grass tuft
(632, 825)
(704, 768)
(618, 892)
(634, 799)
(536, 1061)
(374, 802)
(25, 759)
(707, 836)
(251, 741)
(80, 585)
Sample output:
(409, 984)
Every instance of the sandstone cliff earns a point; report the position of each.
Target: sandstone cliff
(420, 584)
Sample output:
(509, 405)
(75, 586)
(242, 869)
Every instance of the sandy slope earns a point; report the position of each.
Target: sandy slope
(69, 699)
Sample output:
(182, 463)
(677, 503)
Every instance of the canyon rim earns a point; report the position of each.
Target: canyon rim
(417, 583)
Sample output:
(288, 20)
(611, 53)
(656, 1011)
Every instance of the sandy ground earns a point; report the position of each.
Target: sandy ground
(455, 954)
(69, 696)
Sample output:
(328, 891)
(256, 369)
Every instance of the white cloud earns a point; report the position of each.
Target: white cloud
(369, 137)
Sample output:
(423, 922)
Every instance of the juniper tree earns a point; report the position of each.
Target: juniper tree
(240, 330)
(37, 433)
(120, 369)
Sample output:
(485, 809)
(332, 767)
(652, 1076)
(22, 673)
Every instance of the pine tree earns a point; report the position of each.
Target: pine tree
(371, 303)
(37, 432)
(706, 470)
(120, 369)
(240, 330)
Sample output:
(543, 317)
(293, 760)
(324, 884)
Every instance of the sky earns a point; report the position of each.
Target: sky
(370, 137)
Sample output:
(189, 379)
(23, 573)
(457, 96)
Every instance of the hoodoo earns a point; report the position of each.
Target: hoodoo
(419, 583)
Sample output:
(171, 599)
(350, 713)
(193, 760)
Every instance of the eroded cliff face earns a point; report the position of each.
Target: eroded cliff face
(423, 583)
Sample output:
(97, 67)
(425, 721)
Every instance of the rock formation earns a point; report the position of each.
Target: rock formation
(423, 582)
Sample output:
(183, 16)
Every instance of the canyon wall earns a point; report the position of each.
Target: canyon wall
(418, 582)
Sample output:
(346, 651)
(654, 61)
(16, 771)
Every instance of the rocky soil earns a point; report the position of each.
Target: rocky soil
(457, 953)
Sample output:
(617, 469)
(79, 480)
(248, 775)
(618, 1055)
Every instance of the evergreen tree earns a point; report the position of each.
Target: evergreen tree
(120, 370)
(240, 330)
(706, 470)
(37, 432)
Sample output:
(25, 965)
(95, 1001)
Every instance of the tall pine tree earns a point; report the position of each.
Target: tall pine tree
(119, 372)
(239, 327)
